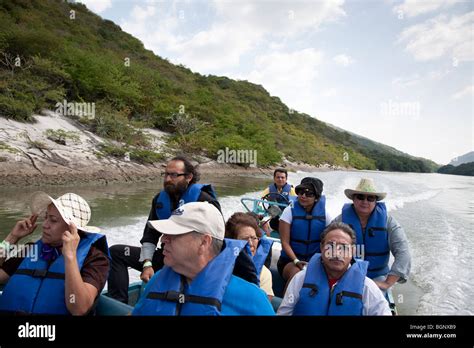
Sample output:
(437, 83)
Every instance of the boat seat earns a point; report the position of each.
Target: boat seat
(110, 306)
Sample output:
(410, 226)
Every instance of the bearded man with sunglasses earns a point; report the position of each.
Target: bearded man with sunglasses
(377, 234)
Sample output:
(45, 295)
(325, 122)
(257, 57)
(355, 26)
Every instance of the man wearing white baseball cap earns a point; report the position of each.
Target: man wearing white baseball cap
(68, 271)
(197, 278)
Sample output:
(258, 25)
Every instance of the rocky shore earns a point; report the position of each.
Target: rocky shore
(29, 158)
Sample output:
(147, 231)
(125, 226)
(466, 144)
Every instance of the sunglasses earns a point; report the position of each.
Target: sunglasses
(172, 175)
(365, 198)
(307, 193)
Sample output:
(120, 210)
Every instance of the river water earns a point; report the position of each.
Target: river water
(436, 211)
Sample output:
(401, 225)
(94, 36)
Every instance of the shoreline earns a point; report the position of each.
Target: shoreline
(23, 175)
(29, 157)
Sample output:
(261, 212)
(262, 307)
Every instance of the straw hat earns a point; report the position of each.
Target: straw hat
(73, 208)
(366, 186)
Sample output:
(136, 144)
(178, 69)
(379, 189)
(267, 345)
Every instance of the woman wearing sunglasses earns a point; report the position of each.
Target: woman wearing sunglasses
(377, 234)
(301, 226)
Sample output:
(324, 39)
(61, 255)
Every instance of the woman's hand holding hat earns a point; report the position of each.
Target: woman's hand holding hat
(71, 240)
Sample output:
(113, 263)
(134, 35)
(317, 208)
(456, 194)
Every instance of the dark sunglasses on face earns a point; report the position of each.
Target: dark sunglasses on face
(172, 175)
(364, 197)
(306, 192)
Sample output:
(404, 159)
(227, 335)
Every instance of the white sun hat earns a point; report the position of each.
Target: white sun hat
(366, 186)
(72, 207)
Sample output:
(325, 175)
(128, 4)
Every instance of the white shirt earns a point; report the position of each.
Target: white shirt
(287, 216)
(372, 298)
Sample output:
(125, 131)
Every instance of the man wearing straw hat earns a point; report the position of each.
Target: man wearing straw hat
(377, 233)
(72, 266)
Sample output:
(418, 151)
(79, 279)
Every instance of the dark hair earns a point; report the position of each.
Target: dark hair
(280, 170)
(239, 220)
(189, 168)
(338, 226)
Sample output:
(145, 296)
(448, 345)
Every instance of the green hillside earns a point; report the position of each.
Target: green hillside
(466, 169)
(80, 57)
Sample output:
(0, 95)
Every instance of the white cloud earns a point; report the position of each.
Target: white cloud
(412, 8)
(289, 75)
(406, 81)
(343, 60)
(411, 80)
(239, 26)
(466, 91)
(439, 37)
(140, 13)
(97, 6)
(330, 92)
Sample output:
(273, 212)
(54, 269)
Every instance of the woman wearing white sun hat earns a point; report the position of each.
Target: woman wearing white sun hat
(379, 234)
(69, 268)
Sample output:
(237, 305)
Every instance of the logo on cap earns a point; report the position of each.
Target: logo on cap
(178, 211)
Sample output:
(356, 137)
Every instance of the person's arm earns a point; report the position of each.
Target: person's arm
(265, 192)
(373, 300)
(21, 229)
(80, 296)
(285, 232)
(292, 294)
(402, 259)
(151, 235)
(337, 218)
(3, 277)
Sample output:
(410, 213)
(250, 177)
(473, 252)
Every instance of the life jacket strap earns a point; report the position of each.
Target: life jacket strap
(383, 253)
(341, 294)
(313, 287)
(310, 217)
(175, 296)
(375, 269)
(376, 229)
(40, 273)
(306, 242)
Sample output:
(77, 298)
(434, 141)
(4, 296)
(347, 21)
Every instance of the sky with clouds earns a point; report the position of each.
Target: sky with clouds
(398, 72)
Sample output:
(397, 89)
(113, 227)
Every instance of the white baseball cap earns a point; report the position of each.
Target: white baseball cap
(201, 217)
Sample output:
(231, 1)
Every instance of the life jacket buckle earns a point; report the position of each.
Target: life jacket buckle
(173, 296)
(39, 273)
(339, 299)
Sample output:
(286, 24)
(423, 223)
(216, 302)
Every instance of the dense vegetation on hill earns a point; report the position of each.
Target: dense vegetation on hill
(463, 169)
(49, 54)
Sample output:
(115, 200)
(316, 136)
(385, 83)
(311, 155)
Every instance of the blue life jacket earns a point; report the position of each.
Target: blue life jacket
(345, 298)
(374, 238)
(163, 202)
(285, 191)
(264, 247)
(170, 294)
(36, 288)
(306, 229)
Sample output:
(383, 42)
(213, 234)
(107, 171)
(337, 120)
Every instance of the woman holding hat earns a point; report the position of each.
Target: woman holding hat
(301, 226)
(378, 233)
(69, 268)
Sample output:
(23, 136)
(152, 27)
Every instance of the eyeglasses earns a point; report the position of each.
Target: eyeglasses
(307, 193)
(364, 197)
(172, 175)
(251, 239)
